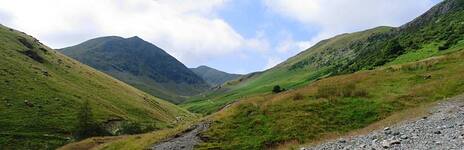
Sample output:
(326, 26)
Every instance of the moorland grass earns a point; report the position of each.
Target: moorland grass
(269, 120)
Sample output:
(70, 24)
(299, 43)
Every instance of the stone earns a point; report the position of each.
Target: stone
(395, 142)
(385, 144)
(388, 132)
(342, 141)
(404, 137)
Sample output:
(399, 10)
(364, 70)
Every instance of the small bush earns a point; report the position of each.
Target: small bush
(277, 89)
(86, 125)
(131, 128)
(444, 46)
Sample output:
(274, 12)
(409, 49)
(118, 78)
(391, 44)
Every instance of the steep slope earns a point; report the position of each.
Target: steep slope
(140, 64)
(334, 106)
(428, 35)
(42, 90)
(212, 76)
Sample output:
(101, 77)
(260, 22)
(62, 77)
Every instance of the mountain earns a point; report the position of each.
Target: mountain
(430, 34)
(140, 64)
(212, 76)
(42, 91)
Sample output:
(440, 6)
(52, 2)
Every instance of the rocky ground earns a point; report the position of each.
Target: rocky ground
(442, 129)
(184, 141)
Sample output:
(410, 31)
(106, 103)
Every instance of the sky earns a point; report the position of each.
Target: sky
(236, 36)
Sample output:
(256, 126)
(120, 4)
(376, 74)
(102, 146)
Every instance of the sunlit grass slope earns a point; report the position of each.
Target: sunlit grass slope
(336, 104)
(41, 91)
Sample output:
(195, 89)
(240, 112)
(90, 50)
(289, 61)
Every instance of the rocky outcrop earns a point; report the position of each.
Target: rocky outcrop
(444, 7)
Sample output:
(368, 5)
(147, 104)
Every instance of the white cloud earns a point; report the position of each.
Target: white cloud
(259, 43)
(289, 45)
(187, 29)
(341, 16)
(272, 61)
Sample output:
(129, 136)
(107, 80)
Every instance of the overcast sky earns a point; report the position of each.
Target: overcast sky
(238, 36)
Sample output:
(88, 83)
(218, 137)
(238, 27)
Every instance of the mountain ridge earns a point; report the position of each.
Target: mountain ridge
(141, 64)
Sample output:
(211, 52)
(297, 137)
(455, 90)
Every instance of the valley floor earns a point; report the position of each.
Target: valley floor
(443, 128)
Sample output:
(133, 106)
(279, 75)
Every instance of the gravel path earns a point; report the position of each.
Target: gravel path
(183, 141)
(443, 129)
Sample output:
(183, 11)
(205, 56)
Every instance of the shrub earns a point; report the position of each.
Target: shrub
(444, 46)
(86, 125)
(131, 128)
(277, 89)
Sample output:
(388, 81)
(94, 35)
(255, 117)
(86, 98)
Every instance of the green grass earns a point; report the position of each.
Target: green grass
(427, 51)
(56, 86)
(269, 120)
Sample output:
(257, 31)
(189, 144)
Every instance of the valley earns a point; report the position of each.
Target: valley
(382, 88)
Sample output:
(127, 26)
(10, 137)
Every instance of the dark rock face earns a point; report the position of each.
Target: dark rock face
(140, 64)
(33, 55)
(445, 7)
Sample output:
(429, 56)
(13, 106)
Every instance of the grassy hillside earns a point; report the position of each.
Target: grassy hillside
(336, 105)
(435, 31)
(214, 77)
(42, 90)
(140, 64)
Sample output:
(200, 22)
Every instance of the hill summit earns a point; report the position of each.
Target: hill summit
(140, 64)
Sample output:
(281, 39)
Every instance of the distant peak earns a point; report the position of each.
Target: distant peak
(203, 66)
(135, 37)
(108, 37)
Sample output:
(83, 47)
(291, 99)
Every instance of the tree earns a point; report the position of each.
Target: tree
(86, 125)
(277, 89)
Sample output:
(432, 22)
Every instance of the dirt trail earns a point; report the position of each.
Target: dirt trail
(183, 141)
